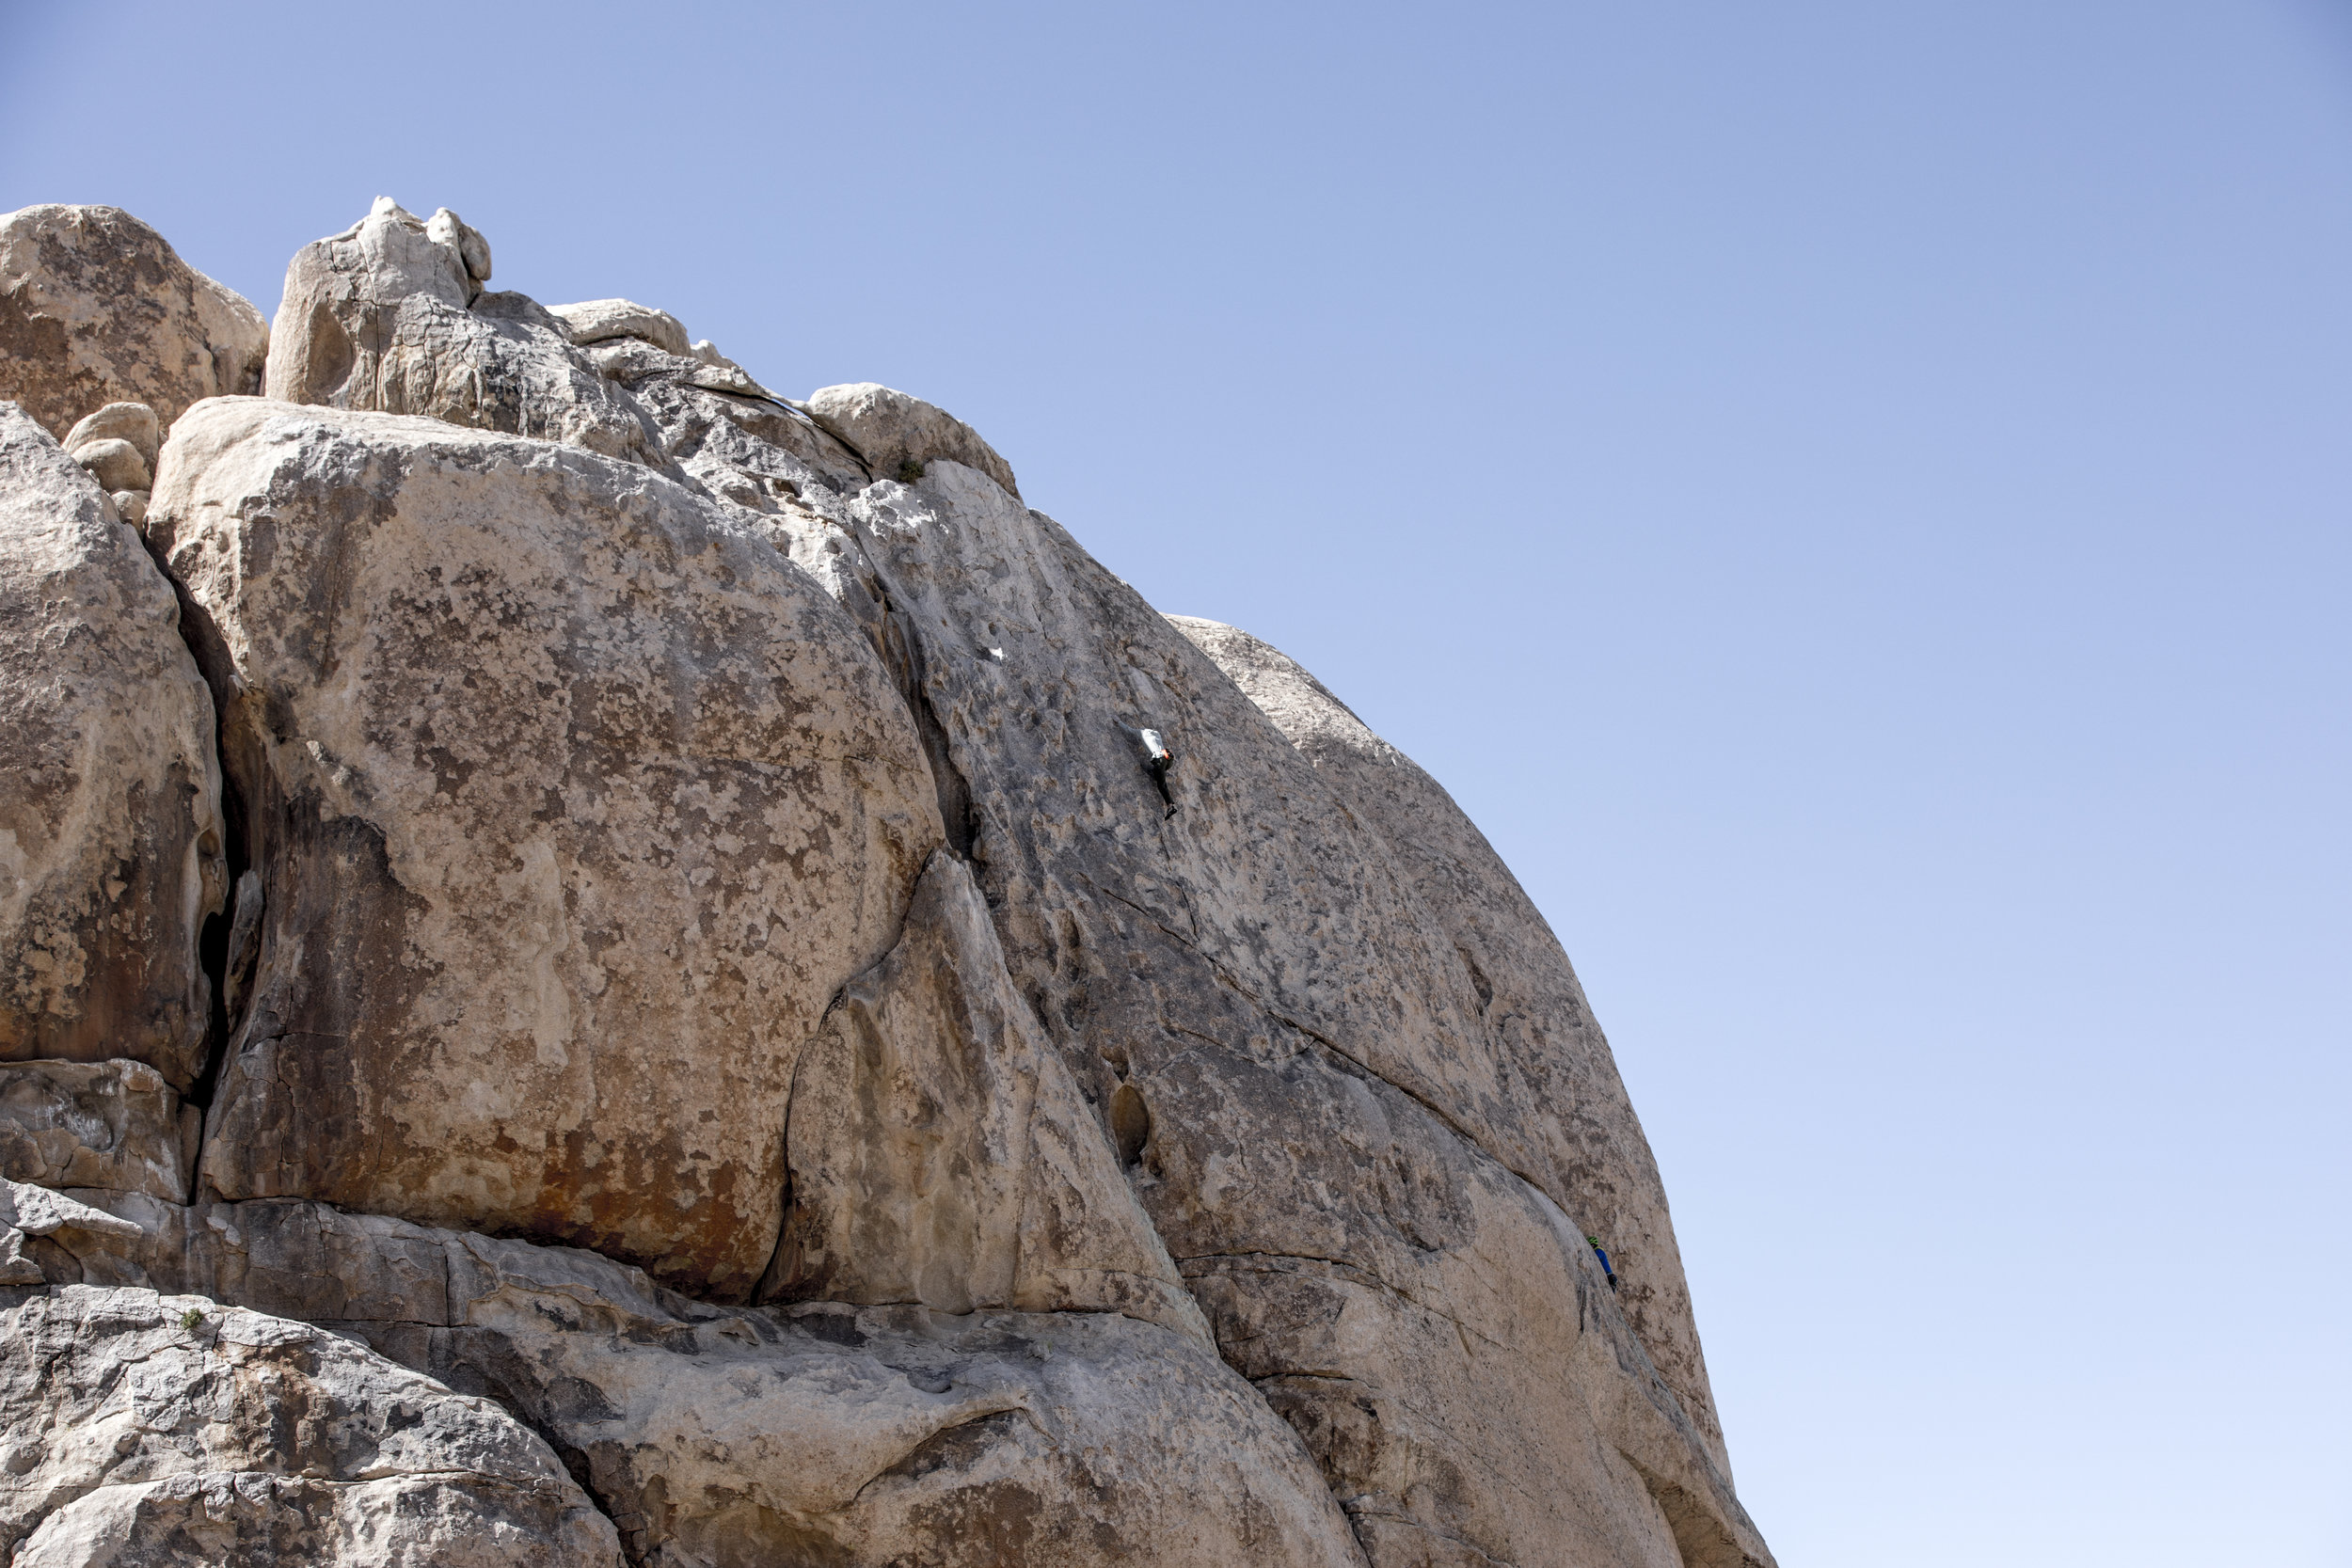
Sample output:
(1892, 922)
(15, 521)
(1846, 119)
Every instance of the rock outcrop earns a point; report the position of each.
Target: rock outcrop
(390, 316)
(96, 309)
(695, 950)
(111, 836)
(1369, 1191)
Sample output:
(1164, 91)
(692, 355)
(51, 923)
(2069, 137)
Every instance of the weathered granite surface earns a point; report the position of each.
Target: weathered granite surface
(718, 833)
(116, 1125)
(95, 307)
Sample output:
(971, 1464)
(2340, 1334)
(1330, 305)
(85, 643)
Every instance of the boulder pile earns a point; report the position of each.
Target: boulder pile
(595, 968)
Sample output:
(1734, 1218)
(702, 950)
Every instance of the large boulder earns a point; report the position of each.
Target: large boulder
(390, 316)
(895, 434)
(826, 1434)
(96, 309)
(155, 1432)
(599, 321)
(1076, 1095)
(111, 836)
(573, 804)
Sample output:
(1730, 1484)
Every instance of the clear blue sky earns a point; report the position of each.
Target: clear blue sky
(1852, 497)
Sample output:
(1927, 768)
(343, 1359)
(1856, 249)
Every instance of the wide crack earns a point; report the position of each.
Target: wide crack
(208, 652)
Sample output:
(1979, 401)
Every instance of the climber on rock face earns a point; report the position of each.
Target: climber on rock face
(1601, 1252)
(1159, 759)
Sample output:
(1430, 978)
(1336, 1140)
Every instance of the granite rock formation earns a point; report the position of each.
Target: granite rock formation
(715, 1041)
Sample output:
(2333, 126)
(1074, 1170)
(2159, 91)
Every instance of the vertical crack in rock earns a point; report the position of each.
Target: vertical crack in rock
(229, 940)
(902, 654)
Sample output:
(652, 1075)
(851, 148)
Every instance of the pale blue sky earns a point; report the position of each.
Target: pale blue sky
(1852, 497)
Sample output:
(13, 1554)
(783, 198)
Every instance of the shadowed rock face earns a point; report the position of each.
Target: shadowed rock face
(96, 309)
(110, 825)
(573, 807)
(719, 832)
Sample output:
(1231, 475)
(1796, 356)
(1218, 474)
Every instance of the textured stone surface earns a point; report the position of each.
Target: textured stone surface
(895, 435)
(114, 1125)
(1528, 995)
(110, 825)
(96, 309)
(823, 1432)
(597, 321)
(749, 449)
(745, 860)
(1332, 1132)
(941, 1153)
(28, 1211)
(574, 804)
(385, 316)
(147, 1430)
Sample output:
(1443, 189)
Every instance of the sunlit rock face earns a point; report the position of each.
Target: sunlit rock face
(730, 944)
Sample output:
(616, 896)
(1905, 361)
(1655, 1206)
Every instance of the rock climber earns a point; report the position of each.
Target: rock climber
(1159, 759)
(1602, 1252)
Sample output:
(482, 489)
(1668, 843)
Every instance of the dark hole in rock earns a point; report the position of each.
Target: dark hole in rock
(1131, 1123)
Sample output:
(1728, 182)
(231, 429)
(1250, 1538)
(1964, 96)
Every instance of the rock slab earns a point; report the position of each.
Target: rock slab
(1529, 998)
(113, 1125)
(941, 1153)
